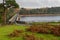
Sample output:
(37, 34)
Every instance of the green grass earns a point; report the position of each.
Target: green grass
(5, 30)
(52, 23)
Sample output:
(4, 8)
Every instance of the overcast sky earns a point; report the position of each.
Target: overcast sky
(37, 3)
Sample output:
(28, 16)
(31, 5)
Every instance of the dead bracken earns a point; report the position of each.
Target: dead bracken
(15, 33)
(31, 37)
(46, 29)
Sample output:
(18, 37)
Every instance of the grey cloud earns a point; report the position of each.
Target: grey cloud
(38, 3)
(28, 4)
(1, 1)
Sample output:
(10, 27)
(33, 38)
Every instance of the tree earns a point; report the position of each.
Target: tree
(8, 3)
(12, 3)
(1, 7)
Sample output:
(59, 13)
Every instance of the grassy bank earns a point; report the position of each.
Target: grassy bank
(51, 23)
(5, 30)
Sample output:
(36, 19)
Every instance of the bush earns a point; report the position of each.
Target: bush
(56, 30)
(46, 29)
(31, 37)
(38, 29)
(15, 33)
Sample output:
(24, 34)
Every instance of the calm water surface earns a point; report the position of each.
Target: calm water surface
(40, 18)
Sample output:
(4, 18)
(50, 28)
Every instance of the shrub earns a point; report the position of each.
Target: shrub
(15, 33)
(46, 29)
(56, 31)
(31, 37)
(38, 29)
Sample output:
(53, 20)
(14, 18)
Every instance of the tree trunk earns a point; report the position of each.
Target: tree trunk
(4, 17)
(4, 14)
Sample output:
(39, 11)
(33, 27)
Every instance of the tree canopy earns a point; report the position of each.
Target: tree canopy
(12, 3)
(8, 3)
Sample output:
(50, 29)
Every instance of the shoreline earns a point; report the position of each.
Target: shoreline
(40, 15)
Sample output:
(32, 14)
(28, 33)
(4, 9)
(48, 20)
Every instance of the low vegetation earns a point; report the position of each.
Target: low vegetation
(45, 29)
(31, 37)
(20, 32)
(15, 33)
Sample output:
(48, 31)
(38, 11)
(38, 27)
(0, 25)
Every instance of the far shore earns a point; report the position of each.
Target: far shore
(40, 15)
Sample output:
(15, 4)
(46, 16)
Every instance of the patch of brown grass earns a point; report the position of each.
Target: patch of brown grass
(15, 33)
(31, 37)
(45, 28)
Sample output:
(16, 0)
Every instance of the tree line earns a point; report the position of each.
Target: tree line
(52, 10)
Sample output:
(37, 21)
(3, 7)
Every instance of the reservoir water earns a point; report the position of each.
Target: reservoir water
(40, 18)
